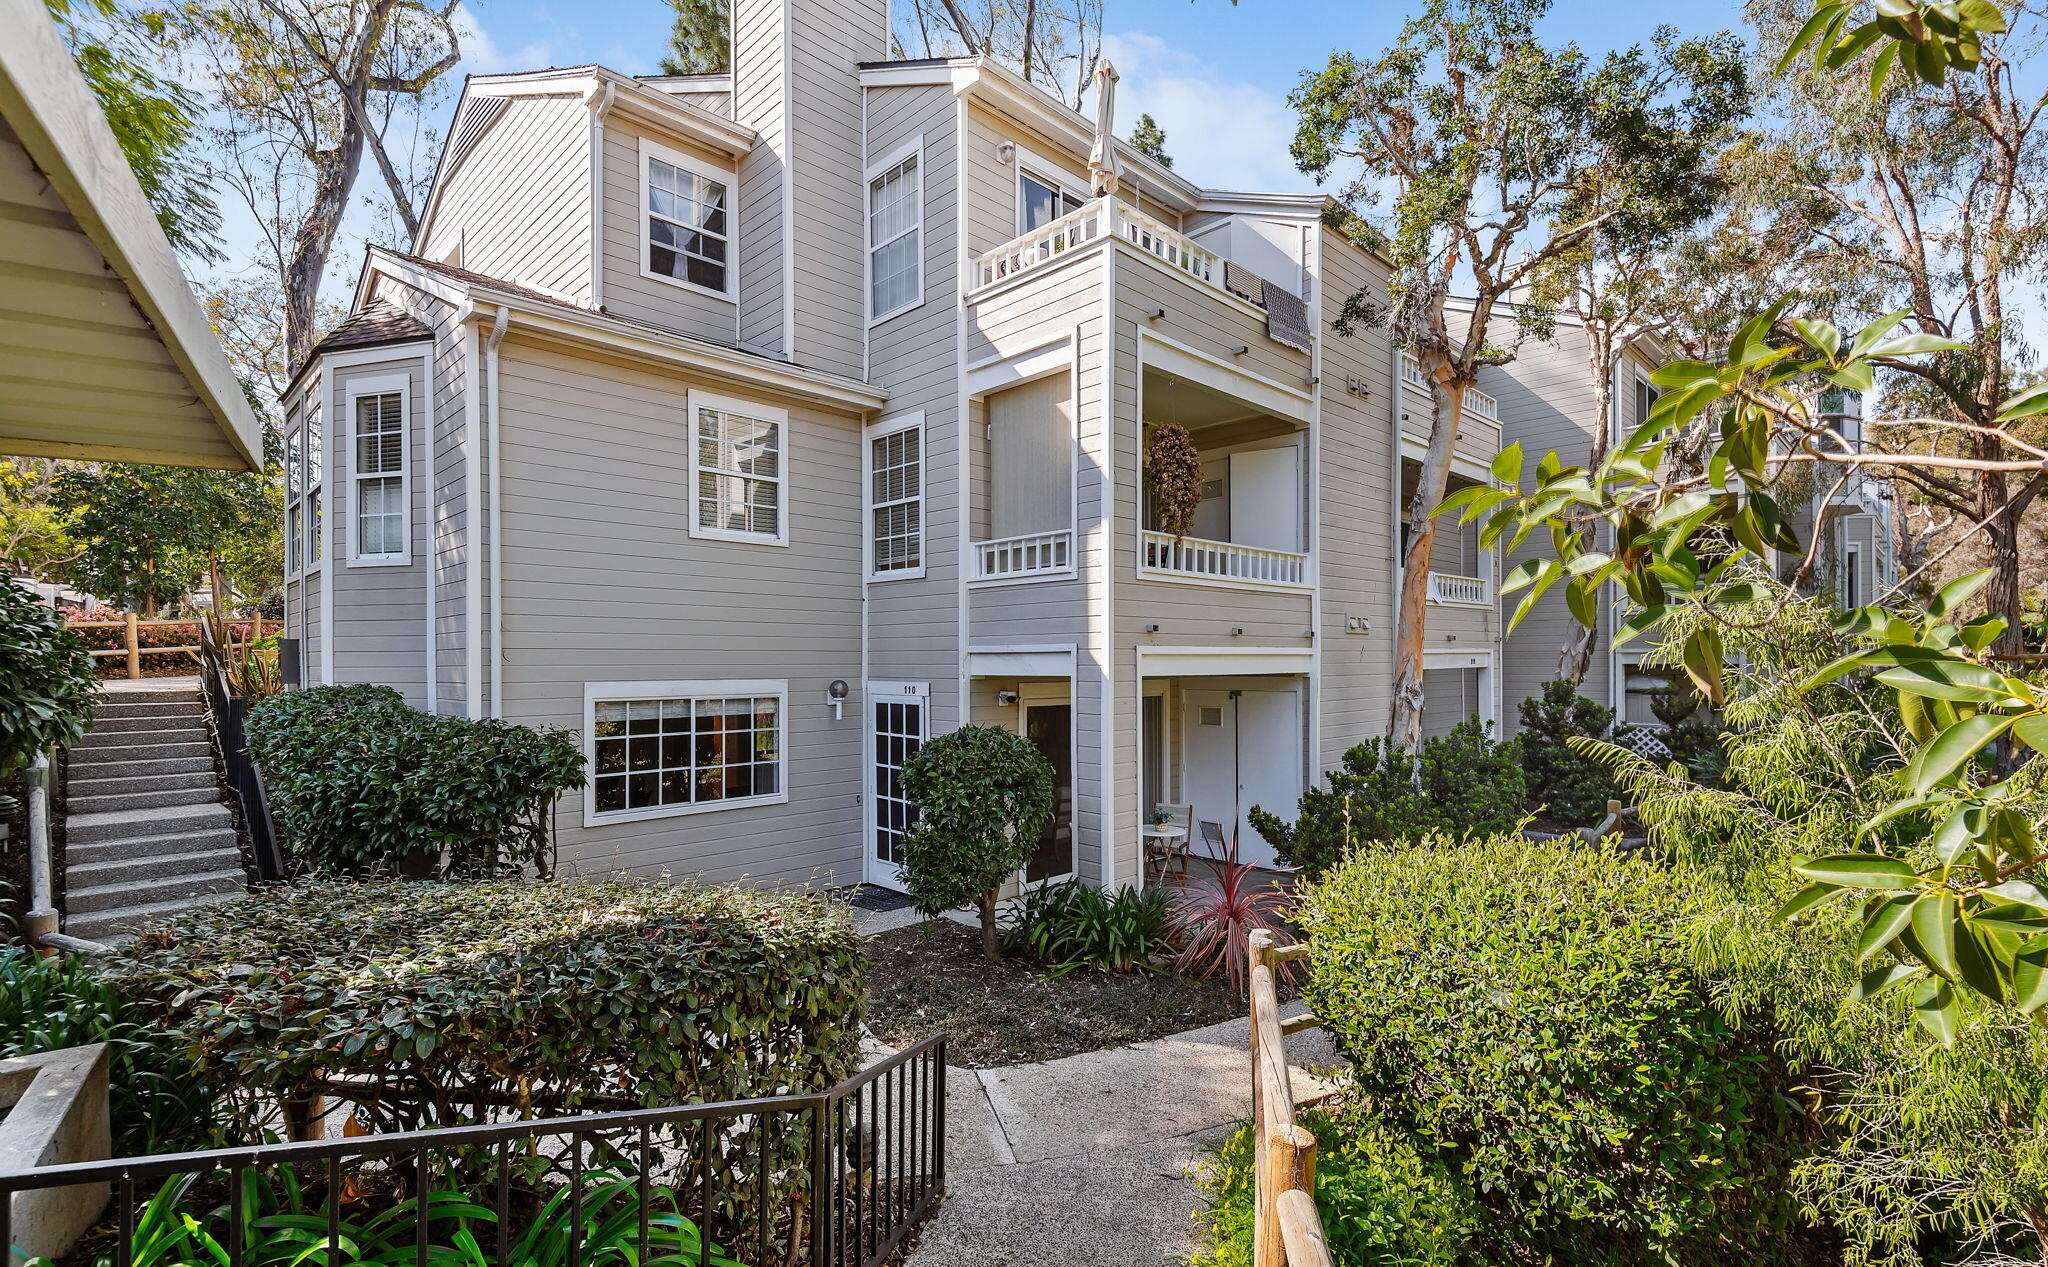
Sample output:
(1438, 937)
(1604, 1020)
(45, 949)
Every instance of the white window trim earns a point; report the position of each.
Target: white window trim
(676, 158)
(912, 421)
(1045, 172)
(295, 502)
(382, 385)
(595, 693)
(1852, 574)
(889, 160)
(753, 409)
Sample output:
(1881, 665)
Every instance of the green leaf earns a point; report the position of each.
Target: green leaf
(1702, 659)
(1946, 679)
(1879, 980)
(2031, 403)
(1953, 595)
(1805, 899)
(1977, 964)
(2024, 892)
(1934, 1006)
(1912, 345)
(1952, 748)
(1507, 464)
(2030, 976)
(1931, 933)
(1860, 871)
(1881, 928)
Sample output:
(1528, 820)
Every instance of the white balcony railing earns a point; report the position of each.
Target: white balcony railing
(1460, 591)
(1013, 558)
(1222, 561)
(1477, 403)
(1104, 216)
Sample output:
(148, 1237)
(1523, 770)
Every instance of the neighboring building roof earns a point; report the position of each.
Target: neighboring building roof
(377, 323)
(108, 353)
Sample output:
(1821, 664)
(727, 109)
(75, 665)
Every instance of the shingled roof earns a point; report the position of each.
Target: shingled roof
(380, 322)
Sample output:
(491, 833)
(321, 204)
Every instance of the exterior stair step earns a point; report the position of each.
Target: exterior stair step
(120, 823)
(197, 747)
(113, 897)
(168, 707)
(96, 739)
(96, 783)
(113, 924)
(92, 853)
(80, 877)
(191, 719)
(84, 770)
(152, 798)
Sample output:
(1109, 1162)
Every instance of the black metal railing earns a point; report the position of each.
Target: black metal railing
(230, 715)
(833, 1179)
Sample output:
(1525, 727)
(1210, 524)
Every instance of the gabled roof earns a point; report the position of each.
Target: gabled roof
(375, 324)
(105, 350)
(555, 316)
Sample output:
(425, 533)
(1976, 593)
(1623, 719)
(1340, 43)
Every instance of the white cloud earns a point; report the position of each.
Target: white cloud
(482, 56)
(1221, 133)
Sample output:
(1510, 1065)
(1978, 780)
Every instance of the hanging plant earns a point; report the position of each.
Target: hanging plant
(1173, 471)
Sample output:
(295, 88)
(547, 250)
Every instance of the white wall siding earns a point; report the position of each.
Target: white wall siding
(518, 206)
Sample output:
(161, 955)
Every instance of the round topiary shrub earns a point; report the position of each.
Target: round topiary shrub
(1522, 1014)
(365, 785)
(983, 795)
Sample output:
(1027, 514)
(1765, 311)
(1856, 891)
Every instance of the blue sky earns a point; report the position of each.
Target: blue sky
(1215, 75)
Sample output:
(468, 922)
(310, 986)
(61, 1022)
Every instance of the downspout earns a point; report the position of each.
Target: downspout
(600, 103)
(1394, 499)
(496, 503)
(1312, 285)
(472, 511)
(1110, 511)
(330, 431)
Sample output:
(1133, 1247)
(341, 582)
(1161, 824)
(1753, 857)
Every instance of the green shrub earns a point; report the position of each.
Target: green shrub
(158, 1103)
(1572, 786)
(1076, 925)
(983, 795)
(1524, 1013)
(46, 680)
(1463, 784)
(1383, 1204)
(546, 997)
(364, 785)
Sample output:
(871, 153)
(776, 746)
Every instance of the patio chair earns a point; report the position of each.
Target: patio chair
(1213, 840)
(1170, 854)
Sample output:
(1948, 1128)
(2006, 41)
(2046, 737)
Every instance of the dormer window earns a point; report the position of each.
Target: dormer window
(688, 233)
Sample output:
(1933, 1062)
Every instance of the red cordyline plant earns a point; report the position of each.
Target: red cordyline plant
(1218, 917)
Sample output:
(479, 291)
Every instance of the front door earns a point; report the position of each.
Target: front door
(1241, 748)
(896, 718)
(1050, 728)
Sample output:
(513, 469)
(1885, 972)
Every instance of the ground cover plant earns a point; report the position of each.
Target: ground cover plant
(1072, 926)
(364, 785)
(933, 977)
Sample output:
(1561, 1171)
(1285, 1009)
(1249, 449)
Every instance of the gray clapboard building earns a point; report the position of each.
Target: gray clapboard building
(759, 427)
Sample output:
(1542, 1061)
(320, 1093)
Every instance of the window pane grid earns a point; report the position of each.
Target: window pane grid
(895, 491)
(899, 730)
(687, 235)
(380, 435)
(739, 473)
(650, 754)
(895, 210)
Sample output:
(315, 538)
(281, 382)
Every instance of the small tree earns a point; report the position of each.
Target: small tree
(46, 680)
(1573, 786)
(1149, 139)
(983, 795)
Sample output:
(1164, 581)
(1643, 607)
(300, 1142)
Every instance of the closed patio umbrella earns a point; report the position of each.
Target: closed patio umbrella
(1102, 169)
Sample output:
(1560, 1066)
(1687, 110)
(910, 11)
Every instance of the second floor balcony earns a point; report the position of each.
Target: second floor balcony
(1103, 218)
(1249, 528)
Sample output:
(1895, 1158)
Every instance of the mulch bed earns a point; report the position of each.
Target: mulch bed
(932, 977)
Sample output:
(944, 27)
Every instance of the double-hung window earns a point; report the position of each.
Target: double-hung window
(895, 234)
(664, 748)
(688, 237)
(895, 489)
(1041, 201)
(381, 504)
(295, 499)
(738, 470)
(316, 463)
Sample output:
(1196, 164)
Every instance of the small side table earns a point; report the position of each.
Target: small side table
(1169, 845)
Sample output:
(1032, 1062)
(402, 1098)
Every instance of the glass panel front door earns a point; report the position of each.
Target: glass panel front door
(1050, 728)
(899, 730)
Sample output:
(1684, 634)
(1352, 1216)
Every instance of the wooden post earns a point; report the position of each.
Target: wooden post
(1266, 1247)
(134, 647)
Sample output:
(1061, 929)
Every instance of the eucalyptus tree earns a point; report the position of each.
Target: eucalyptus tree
(1486, 157)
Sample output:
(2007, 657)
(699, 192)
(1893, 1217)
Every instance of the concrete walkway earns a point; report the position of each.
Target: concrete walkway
(1090, 1159)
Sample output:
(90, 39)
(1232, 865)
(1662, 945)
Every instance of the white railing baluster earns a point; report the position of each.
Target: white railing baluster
(1011, 558)
(1477, 403)
(1076, 229)
(1221, 561)
(1460, 591)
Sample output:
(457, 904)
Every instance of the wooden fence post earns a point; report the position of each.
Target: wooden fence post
(134, 646)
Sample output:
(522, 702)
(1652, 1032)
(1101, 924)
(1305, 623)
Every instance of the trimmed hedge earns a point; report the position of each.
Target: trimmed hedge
(1523, 1016)
(1462, 784)
(365, 785)
(547, 998)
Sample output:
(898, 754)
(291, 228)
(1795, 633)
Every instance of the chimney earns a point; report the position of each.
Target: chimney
(802, 204)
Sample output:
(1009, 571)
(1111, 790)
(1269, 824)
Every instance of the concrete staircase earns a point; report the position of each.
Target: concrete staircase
(146, 833)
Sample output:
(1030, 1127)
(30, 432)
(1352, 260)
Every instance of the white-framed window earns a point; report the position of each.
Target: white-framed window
(295, 499)
(687, 234)
(896, 233)
(659, 749)
(739, 463)
(1852, 576)
(897, 717)
(893, 470)
(380, 501)
(316, 468)
(1042, 196)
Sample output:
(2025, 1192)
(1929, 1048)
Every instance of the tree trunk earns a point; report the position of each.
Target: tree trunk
(1575, 658)
(989, 945)
(335, 177)
(1404, 722)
